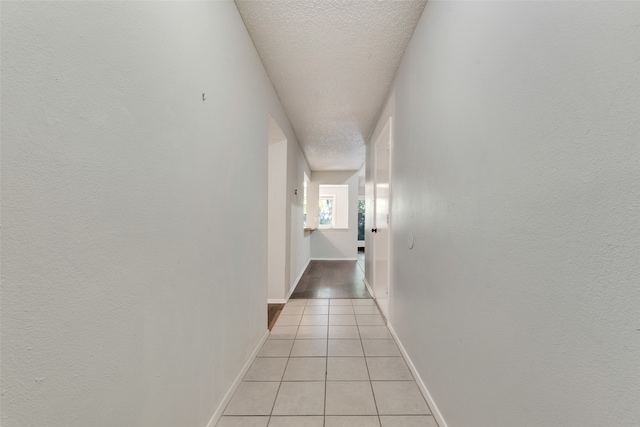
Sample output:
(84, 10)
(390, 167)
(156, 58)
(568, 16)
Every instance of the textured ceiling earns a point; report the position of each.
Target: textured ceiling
(331, 63)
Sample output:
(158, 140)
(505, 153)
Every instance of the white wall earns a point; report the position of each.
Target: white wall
(300, 241)
(277, 214)
(134, 242)
(517, 167)
(289, 246)
(334, 243)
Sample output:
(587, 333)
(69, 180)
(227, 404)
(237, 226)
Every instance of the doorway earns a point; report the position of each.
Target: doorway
(276, 219)
(382, 218)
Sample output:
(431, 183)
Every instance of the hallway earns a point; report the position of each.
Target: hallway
(331, 363)
(495, 143)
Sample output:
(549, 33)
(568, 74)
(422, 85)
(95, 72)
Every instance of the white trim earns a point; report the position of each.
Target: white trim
(293, 288)
(423, 388)
(368, 287)
(298, 278)
(390, 221)
(385, 133)
(227, 397)
(295, 284)
(334, 259)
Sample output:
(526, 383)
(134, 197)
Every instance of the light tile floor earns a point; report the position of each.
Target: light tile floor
(328, 363)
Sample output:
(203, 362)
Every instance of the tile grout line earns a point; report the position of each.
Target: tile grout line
(285, 369)
(326, 355)
(375, 402)
(326, 368)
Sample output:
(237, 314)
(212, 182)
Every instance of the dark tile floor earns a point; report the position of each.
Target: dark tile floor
(332, 279)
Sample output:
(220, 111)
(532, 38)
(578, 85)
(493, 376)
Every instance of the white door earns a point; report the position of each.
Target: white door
(380, 229)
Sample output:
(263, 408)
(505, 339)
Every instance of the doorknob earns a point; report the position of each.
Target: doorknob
(374, 230)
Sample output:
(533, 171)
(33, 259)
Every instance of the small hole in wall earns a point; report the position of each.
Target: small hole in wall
(203, 98)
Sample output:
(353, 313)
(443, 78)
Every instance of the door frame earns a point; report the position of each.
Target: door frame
(278, 214)
(385, 134)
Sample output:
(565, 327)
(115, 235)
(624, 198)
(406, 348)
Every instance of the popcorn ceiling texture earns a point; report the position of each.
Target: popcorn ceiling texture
(331, 63)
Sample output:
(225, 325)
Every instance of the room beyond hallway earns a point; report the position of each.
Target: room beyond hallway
(332, 279)
(328, 363)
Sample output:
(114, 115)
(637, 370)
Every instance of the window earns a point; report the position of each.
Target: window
(333, 206)
(361, 205)
(325, 210)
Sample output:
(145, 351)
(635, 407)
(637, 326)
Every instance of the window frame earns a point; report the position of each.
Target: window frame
(331, 197)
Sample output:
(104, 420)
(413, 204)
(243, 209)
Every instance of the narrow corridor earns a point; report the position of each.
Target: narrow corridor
(328, 363)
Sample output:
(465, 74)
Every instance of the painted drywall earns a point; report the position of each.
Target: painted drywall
(516, 166)
(289, 246)
(333, 243)
(134, 235)
(277, 214)
(299, 240)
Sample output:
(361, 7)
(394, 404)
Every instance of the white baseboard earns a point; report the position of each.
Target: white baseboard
(427, 396)
(334, 259)
(293, 288)
(295, 284)
(227, 397)
(368, 286)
